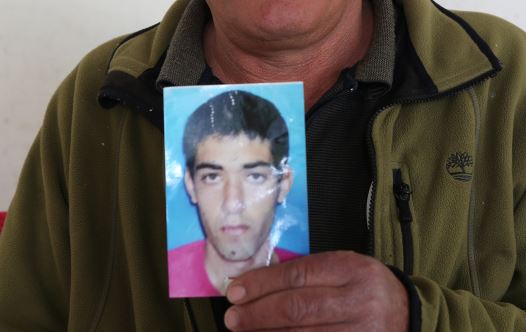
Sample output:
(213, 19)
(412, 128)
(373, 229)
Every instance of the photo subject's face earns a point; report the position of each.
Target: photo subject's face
(236, 189)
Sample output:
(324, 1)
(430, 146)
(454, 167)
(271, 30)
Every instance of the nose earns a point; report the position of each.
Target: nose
(233, 197)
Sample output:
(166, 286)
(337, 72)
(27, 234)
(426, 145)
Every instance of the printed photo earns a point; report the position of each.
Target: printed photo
(236, 193)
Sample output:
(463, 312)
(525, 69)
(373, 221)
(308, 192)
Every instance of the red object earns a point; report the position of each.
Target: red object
(3, 215)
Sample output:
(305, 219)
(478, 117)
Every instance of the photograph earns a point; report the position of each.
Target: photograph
(235, 173)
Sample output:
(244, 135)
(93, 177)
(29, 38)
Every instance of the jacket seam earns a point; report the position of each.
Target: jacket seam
(472, 257)
(111, 261)
(126, 39)
(132, 67)
(519, 202)
(473, 70)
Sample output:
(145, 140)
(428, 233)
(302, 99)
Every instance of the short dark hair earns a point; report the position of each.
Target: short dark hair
(233, 113)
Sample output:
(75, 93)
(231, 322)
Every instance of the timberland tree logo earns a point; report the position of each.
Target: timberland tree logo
(460, 166)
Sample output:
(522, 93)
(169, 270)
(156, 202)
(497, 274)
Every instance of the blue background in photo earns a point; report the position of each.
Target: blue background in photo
(291, 220)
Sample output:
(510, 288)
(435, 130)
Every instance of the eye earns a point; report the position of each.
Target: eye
(256, 178)
(210, 178)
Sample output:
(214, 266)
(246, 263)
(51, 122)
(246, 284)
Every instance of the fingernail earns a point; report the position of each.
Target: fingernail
(231, 319)
(236, 293)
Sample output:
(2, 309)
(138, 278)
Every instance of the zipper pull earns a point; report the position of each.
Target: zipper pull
(350, 84)
(402, 193)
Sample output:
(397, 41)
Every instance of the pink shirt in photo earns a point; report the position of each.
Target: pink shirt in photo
(186, 270)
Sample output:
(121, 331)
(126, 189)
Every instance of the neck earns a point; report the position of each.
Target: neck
(317, 61)
(221, 271)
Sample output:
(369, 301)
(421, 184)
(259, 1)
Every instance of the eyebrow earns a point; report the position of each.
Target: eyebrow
(208, 165)
(256, 164)
(219, 167)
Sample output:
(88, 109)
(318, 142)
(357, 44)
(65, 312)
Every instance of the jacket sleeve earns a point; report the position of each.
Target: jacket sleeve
(444, 309)
(34, 245)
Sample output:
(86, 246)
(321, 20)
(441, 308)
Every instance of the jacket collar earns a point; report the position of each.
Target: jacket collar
(449, 49)
(185, 61)
(437, 53)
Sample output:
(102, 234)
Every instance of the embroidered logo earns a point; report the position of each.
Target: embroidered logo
(460, 166)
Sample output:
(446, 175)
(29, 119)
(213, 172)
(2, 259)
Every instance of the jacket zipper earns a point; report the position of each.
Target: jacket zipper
(372, 151)
(402, 194)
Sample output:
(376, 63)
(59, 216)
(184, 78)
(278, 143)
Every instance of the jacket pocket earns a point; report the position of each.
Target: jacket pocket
(402, 194)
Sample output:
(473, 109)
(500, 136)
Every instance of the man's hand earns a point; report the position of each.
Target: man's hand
(333, 291)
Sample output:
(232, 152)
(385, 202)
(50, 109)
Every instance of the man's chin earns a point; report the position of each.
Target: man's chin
(236, 257)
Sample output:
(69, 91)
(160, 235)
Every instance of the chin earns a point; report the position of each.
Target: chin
(236, 254)
(284, 25)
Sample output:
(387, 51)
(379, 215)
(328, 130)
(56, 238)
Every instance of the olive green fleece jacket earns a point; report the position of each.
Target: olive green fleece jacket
(84, 247)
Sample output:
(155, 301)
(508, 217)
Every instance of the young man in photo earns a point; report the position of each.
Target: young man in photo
(236, 147)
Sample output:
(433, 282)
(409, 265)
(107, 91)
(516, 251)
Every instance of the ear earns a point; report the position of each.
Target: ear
(190, 188)
(285, 184)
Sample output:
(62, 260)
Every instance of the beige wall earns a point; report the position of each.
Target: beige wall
(41, 41)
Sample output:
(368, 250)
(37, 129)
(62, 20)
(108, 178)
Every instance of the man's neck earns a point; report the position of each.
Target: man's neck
(315, 61)
(221, 271)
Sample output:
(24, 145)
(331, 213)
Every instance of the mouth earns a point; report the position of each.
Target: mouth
(234, 230)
